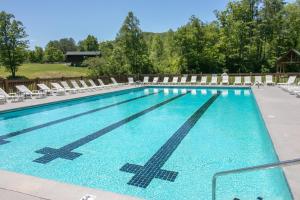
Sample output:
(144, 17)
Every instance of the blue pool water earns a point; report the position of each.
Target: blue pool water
(152, 143)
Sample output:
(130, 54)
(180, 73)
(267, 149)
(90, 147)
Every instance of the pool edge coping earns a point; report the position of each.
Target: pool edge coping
(79, 96)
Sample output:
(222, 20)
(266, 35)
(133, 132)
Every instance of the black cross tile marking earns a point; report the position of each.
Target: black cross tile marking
(152, 169)
(26, 130)
(65, 152)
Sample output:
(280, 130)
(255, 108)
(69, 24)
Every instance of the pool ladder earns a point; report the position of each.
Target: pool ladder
(248, 169)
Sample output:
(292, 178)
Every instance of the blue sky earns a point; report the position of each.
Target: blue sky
(54, 19)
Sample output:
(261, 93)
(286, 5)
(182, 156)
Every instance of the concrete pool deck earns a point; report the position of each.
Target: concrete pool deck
(281, 113)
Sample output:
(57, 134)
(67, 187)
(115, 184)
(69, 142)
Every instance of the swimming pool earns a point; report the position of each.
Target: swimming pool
(152, 143)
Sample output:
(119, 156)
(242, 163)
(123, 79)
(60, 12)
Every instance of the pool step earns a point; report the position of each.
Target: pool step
(258, 198)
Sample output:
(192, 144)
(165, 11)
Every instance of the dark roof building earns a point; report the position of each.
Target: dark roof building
(75, 58)
(290, 59)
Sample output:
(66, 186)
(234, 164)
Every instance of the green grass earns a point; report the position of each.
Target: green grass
(46, 71)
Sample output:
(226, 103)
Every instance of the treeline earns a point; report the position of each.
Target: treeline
(248, 36)
(55, 50)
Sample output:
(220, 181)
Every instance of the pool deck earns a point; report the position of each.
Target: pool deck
(281, 112)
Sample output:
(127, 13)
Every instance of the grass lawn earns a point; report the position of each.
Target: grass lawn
(46, 71)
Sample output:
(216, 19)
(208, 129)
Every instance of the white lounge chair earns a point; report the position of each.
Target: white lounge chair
(183, 80)
(292, 89)
(203, 80)
(23, 90)
(57, 89)
(214, 80)
(258, 80)
(45, 89)
(131, 81)
(98, 87)
(165, 81)
(175, 80)
(13, 96)
(103, 85)
(146, 80)
(194, 80)
(155, 80)
(247, 80)
(2, 99)
(290, 81)
(84, 85)
(101, 82)
(225, 80)
(77, 87)
(115, 83)
(237, 80)
(269, 80)
(68, 88)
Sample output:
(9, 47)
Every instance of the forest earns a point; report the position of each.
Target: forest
(247, 36)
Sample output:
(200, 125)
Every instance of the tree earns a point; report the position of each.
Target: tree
(98, 66)
(53, 53)
(89, 44)
(291, 18)
(39, 54)
(67, 44)
(156, 52)
(31, 56)
(190, 42)
(132, 47)
(12, 43)
(36, 56)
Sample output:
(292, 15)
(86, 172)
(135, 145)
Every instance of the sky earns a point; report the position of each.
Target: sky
(47, 20)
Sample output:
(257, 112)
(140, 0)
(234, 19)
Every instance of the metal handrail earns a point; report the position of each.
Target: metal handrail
(248, 169)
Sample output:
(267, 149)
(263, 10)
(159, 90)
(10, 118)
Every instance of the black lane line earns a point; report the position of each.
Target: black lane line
(26, 130)
(65, 152)
(152, 169)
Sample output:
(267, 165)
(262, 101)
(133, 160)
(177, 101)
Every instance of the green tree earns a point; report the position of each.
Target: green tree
(131, 45)
(31, 56)
(36, 55)
(39, 54)
(67, 44)
(89, 44)
(12, 43)
(53, 53)
(190, 42)
(97, 66)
